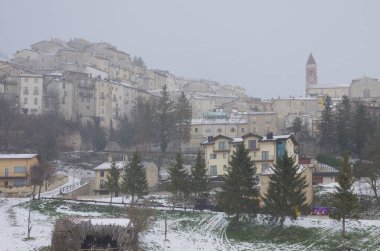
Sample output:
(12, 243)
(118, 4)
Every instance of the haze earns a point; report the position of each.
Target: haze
(260, 45)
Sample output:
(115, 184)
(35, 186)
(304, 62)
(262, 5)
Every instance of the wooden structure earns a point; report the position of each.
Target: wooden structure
(97, 234)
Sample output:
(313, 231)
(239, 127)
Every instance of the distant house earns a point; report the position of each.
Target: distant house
(324, 174)
(15, 169)
(103, 169)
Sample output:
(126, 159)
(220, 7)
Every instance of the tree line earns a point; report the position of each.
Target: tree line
(159, 120)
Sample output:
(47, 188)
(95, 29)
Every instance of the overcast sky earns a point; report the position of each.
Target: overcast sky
(260, 45)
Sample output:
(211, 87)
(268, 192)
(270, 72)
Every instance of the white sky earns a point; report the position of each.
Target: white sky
(260, 45)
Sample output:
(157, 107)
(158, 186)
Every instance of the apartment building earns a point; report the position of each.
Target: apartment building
(31, 94)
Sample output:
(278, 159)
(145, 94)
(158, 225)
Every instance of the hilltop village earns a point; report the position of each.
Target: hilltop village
(88, 122)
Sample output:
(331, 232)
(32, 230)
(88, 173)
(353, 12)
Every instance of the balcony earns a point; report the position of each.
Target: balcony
(10, 175)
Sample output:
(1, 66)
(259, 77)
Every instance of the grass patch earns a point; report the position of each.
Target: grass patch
(311, 238)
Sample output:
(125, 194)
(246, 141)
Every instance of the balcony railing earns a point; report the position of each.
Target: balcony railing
(12, 175)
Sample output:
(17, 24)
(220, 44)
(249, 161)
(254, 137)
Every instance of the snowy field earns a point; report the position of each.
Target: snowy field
(187, 231)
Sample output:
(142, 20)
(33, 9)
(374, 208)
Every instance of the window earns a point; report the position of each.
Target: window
(19, 182)
(265, 155)
(25, 101)
(252, 144)
(35, 101)
(254, 129)
(224, 155)
(265, 167)
(19, 169)
(254, 120)
(212, 155)
(219, 130)
(222, 145)
(63, 100)
(233, 129)
(268, 119)
(101, 173)
(196, 129)
(6, 173)
(102, 185)
(25, 92)
(242, 129)
(213, 171)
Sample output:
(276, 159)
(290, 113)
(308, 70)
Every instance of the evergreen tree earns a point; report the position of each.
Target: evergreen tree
(164, 118)
(361, 128)
(327, 126)
(343, 124)
(297, 126)
(142, 114)
(134, 179)
(112, 180)
(183, 119)
(178, 184)
(199, 180)
(286, 196)
(239, 194)
(345, 201)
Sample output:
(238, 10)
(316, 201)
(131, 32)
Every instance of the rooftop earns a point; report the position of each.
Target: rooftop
(17, 156)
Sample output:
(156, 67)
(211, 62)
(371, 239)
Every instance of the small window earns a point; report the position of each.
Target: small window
(242, 129)
(224, 155)
(19, 182)
(212, 155)
(219, 130)
(252, 144)
(233, 129)
(19, 169)
(25, 91)
(265, 155)
(101, 174)
(254, 130)
(196, 129)
(213, 171)
(25, 101)
(222, 145)
(35, 101)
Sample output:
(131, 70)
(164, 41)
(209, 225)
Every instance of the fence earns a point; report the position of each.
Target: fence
(69, 188)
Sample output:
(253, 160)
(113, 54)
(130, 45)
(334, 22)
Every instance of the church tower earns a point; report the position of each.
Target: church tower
(311, 73)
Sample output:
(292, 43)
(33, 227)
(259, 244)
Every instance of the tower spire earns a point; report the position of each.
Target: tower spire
(310, 60)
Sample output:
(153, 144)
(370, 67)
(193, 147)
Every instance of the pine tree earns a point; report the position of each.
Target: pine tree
(239, 194)
(112, 180)
(327, 126)
(183, 119)
(199, 180)
(178, 184)
(164, 118)
(297, 126)
(345, 201)
(361, 128)
(134, 179)
(286, 196)
(343, 124)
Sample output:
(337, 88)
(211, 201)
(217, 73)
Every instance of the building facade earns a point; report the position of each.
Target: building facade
(15, 169)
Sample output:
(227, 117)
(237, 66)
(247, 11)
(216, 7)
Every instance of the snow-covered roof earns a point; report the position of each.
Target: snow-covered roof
(17, 156)
(110, 221)
(275, 137)
(269, 171)
(218, 121)
(107, 165)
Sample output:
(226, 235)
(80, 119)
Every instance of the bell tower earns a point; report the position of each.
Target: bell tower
(311, 73)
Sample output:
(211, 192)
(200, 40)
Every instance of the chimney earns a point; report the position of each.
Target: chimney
(210, 138)
(270, 135)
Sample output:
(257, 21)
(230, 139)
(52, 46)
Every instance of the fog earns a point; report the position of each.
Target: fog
(260, 45)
